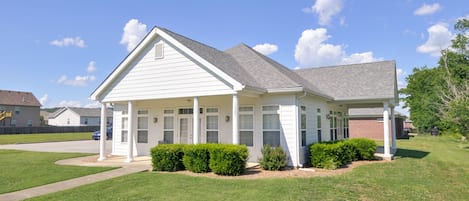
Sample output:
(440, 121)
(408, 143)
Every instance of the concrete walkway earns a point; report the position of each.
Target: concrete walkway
(139, 165)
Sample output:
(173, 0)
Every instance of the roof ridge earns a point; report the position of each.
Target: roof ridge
(344, 65)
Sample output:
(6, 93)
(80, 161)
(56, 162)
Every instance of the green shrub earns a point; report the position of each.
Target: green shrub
(197, 158)
(273, 158)
(167, 157)
(226, 159)
(348, 152)
(365, 148)
(325, 155)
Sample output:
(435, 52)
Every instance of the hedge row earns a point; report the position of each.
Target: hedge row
(336, 154)
(222, 159)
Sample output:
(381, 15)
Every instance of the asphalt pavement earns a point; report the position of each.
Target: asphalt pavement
(81, 146)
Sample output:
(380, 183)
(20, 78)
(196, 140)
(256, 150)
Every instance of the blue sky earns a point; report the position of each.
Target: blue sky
(62, 50)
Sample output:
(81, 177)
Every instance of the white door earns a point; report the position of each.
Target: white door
(185, 130)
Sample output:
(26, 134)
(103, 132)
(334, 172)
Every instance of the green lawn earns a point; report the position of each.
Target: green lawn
(46, 137)
(23, 169)
(426, 168)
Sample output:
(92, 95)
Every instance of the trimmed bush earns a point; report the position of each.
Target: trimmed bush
(197, 158)
(273, 158)
(325, 156)
(167, 157)
(226, 159)
(365, 148)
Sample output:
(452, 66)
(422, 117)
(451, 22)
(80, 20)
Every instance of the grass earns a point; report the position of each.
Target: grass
(46, 137)
(426, 168)
(24, 169)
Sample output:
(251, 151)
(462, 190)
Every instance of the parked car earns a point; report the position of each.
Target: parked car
(97, 134)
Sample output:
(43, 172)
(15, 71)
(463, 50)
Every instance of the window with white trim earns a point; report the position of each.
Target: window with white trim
(159, 50)
(333, 125)
(303, 126)
(168, 127)
(212, 125)
(346, 130)
(318, 113)
(142, 126)
(246, 125)
(125, 126)
(271, 125)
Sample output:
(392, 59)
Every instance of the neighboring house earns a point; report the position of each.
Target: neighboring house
(75, 116)
(368, 123)
(18, 109)
(172, 89)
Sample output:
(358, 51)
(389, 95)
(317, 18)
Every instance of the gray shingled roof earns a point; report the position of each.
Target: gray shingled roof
(83, 112)
(375, 80)
(269, 73)
(220, 59)
(18, 98)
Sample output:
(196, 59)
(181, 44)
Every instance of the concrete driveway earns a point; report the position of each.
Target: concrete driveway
(82, 146)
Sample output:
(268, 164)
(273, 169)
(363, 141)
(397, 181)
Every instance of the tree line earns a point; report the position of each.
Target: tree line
(439, 96)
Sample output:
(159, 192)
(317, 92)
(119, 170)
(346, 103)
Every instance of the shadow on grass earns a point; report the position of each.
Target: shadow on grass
(410, 153)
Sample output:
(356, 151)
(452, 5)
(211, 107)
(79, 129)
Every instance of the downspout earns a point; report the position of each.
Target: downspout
(298, 128)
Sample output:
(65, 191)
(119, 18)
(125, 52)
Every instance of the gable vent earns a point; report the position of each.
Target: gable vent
(159, 51)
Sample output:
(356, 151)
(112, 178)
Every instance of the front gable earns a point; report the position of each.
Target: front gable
(178, 73)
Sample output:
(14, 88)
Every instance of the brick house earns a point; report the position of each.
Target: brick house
(368, 123)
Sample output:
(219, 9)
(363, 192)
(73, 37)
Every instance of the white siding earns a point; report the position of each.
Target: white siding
(175, 75)
(66, 118)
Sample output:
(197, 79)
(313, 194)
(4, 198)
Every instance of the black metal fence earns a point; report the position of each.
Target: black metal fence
(47, 129)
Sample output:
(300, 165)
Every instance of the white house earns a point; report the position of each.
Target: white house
(75, 116)
(172, 89)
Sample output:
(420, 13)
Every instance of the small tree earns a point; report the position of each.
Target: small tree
(273, 158)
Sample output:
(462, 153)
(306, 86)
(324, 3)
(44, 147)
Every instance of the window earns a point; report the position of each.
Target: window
(189, 111)
(86, 120)
(168, 127)
(271, 125)
(30, 123)
(17, 110)
(331, 125)
(212, 125)
(303, 126)
(159, 51)
(142, 126)
(13, 122)
(125, 126)
(246, 125)
(346, 131)
(319, 124)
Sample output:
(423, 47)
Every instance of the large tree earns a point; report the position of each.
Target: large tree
(440, 96)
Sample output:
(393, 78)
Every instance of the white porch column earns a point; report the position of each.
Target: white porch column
(387, 153)
(196, 116)
(102, 140)
(234, 120)
(130, 132)
(393, 127)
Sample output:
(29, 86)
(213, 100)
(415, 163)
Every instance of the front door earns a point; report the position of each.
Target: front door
(185, 130)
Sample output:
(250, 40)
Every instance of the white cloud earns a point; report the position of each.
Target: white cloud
(266, 48)
(134, 31)
(92, 104)
(44, 99)
(312, 50)
(71, 103)
(91, 67)
(401, 74)
(325, 9)
(439, 37)
(427, 9)
(77, 81)
(77, 41)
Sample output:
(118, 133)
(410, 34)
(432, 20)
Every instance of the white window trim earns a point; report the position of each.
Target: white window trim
(319, 127)
(174, 121)
(212, 114)
(303, 112)
(245, 129)
(125, 115)
(271, 112)
(143, 129)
